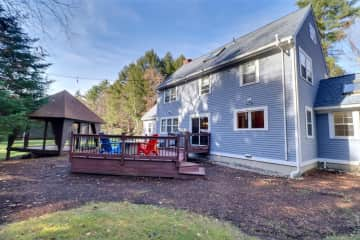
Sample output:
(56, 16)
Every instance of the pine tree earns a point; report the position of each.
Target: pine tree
(22, 82)
(333, 17)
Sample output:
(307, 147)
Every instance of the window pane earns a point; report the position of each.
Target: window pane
(175, 125)
(249, 73)
(344, 130)
(257, 119)
(163, 125)
(303, 71)
(167, 96)
(173, 94)
(204, 124)
(242, 120)
(309, 116)
(309, 129)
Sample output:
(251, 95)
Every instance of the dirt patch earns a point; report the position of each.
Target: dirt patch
(319, 205)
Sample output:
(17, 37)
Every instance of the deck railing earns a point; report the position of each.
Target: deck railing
(123, 147)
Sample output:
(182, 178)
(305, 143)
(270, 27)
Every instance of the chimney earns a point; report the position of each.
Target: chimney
(186, 60)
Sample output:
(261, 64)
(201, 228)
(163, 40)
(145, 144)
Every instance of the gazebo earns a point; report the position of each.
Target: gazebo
(61, 115)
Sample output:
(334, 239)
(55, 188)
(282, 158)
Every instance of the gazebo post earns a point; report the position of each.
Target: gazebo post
(45, 134)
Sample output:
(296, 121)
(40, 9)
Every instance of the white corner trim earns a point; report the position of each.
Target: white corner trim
(249, 110)
(339, 161)
(254, 158)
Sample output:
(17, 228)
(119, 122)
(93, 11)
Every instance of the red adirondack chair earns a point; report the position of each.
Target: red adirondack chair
(148, 148)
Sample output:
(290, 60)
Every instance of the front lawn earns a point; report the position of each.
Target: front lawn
(124, 221)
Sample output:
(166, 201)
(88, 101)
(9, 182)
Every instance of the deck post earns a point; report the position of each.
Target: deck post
(122, 154)
(71, 146)
(186, 146)
(177, 150)
(45, 135)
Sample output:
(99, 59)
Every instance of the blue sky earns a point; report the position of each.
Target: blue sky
(109, 34)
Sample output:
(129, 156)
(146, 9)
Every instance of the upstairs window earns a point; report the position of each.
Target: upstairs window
(204, 85)
(249, 73)
(170, 95)
(312, 33)
(309, 122)
(306, 67)
(252, 118)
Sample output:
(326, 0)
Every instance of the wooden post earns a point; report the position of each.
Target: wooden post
(122, 154)
(26, 139)
(71, 146)
(178, 150)
(8, 148)
(45, 134)
(186, 146)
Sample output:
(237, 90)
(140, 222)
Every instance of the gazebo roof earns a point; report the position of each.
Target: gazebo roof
(64, 105)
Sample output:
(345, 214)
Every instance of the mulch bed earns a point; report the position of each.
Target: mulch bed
(320, 204)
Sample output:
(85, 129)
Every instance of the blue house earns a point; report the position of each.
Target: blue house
(262, 98)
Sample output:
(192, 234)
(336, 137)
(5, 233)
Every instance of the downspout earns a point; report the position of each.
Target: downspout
(284, 96)
(296, 173)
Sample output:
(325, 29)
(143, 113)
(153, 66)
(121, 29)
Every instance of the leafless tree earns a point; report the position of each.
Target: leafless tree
(39, 13)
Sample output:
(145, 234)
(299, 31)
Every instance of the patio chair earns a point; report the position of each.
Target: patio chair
(108, 146)
(149, 148)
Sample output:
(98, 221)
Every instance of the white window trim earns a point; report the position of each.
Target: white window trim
(200, 79)
(199, 115)
(312, 68)
(356, 122)
(176, 93)
(166, 118)
(253, 109)
(257, 72)
(307, 108)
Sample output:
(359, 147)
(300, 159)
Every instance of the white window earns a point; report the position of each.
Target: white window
(170, 95)
(309, 122)
(306, 69)
(204, 85)
(345, 124)
(312, 33)
(251, 119)
(249, 73)
(169, 125)
(150, 128)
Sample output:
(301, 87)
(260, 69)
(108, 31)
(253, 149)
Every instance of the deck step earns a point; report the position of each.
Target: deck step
(199, 172)
(189, 166)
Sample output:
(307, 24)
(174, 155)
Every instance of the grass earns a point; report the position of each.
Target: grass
(20, 143)
(124, 221)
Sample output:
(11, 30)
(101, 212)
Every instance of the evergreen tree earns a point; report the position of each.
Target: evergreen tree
(22, 84)
(333, 17)
(167, 64)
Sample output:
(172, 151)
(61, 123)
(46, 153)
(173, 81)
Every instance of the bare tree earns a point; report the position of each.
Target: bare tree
(39, 13)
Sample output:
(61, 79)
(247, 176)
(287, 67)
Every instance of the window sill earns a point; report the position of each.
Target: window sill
(248, 84)
(250, 129)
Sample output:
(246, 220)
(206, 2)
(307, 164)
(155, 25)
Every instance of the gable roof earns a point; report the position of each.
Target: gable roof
(151, 114)
(284, 27)
(331, 92)
(64, 105)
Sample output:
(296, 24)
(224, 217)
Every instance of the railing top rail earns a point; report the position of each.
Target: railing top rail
(125, 136)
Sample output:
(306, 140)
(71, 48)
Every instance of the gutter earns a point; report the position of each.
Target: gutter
(297, 172)
(274, 44)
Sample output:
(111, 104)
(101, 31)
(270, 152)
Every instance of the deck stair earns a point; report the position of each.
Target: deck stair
(189, 168)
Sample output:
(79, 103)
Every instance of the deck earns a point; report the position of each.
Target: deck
(169, 159)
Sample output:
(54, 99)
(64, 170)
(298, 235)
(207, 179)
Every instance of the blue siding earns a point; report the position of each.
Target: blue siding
(307, 92)
(340, 149)
(226, 96)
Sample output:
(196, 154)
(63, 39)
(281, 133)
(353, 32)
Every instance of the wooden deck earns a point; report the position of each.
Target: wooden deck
(170, 160)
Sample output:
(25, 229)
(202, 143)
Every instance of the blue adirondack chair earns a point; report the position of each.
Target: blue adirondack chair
(108, 146)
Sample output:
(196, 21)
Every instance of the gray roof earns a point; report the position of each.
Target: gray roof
(151, 114)
(284, 27)
(331, 91)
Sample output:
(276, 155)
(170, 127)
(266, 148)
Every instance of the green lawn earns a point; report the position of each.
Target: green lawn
(20, 143)
(123, 221)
